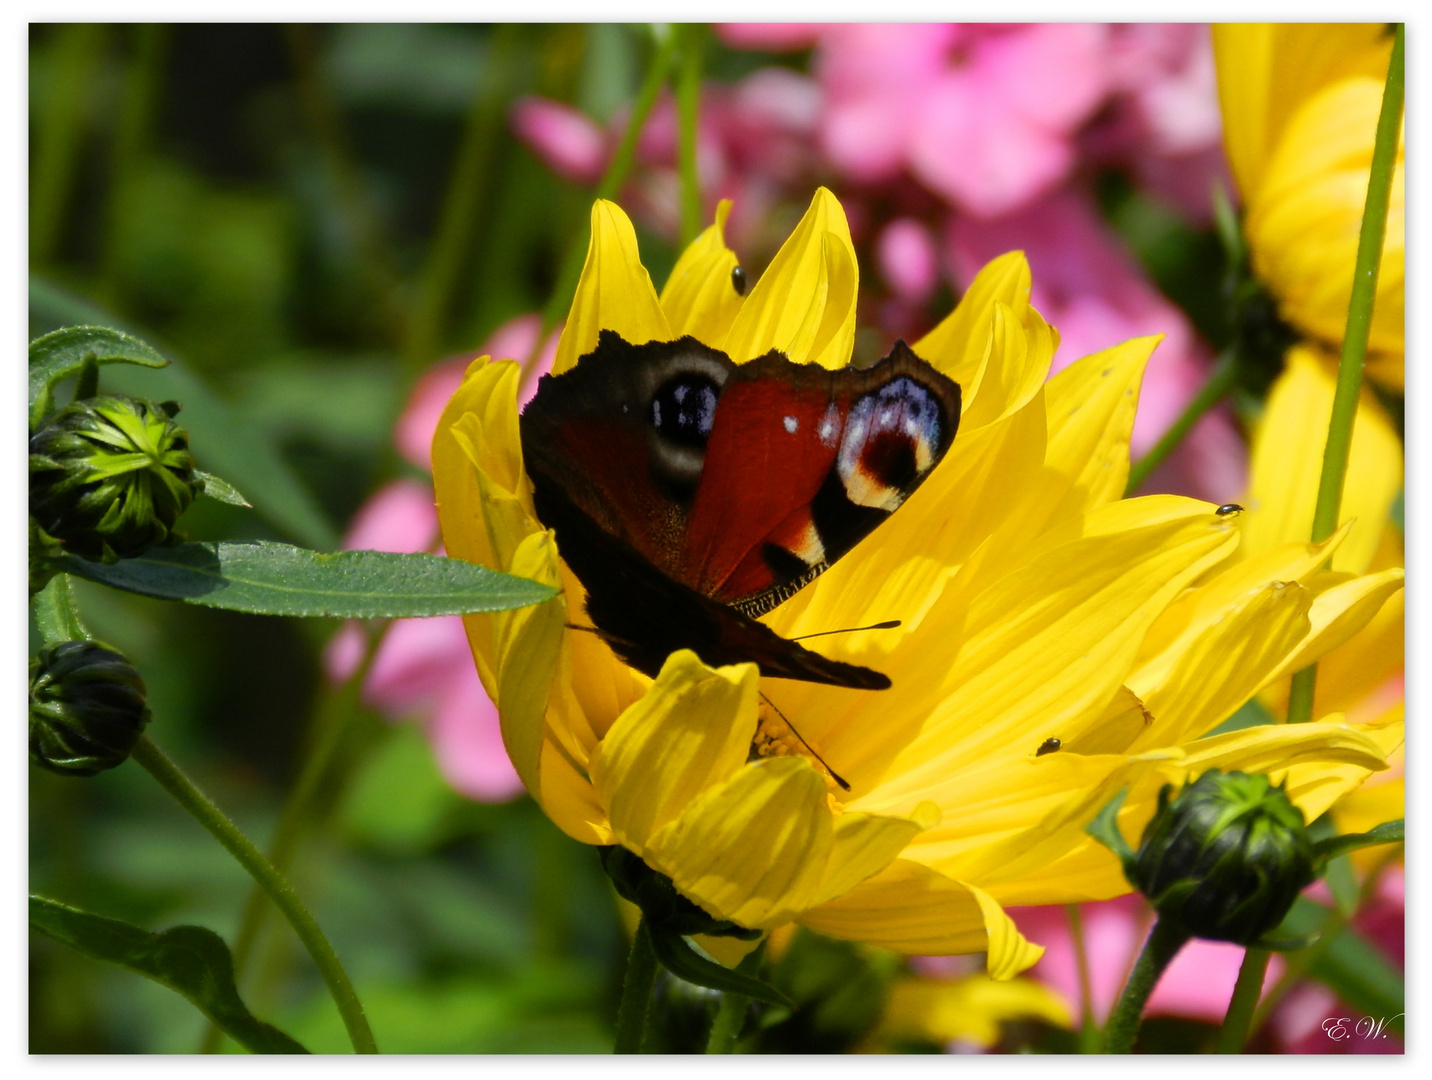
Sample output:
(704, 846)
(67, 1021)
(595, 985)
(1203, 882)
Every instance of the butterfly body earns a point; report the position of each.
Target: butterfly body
(690, 494)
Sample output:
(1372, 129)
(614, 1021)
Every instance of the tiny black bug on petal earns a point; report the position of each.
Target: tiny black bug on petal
(1048, 746)
(1229, 510)
(738, 280)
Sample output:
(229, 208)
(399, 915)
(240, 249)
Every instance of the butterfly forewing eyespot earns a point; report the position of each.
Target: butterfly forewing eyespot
(690, 494)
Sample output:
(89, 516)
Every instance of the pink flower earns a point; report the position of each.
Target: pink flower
(423, 667)
(572, 144)
(908, 261)
(773, 37)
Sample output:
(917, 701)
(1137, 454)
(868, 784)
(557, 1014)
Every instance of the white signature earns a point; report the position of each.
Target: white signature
(1344, 1027)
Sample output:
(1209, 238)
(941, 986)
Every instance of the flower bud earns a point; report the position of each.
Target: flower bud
(110, 475)
(659, 900)
(87, 708)
(1225, 859)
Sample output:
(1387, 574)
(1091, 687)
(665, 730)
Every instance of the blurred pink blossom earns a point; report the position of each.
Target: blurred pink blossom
(423, 667)
(569, 142)
(908, 260)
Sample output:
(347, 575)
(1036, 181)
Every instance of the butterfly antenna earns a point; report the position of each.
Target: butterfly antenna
(891, 625)
(833, 774)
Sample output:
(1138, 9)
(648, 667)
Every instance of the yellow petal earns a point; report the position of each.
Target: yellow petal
(1022, 347)
(567, 797)
(1351, 676)
(1198, 609)
(1192, 688)
(915, 910)
(754, 849)
(1044, 648)
(959, 346)
(970, 1009)
(865, 844)
(614, 293)
(699, 297)
(1091, 406)
(804, 304)
(1341, 612)
(1287, 462)
(1321, 761)
(1303, 222)
(692, 730)
(528, 643)
(1266, 71)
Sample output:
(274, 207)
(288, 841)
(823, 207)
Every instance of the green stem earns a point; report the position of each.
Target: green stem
(731, 1016)
(1236, 1024)
(616, 175)
(462, 205)
(331, 725)
(1089, 1028)
(688, 105)
(157, 763)
(636, 993)
(1301, 690)
(1162, 946)
(1359, 325)
(1225, 374)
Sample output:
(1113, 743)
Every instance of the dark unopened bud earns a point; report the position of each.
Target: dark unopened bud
(110, 475)
(1225, 859)
(87, 708)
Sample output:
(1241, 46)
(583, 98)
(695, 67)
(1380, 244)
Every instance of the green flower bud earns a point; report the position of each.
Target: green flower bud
(659, 900)
(110, 475)
(87, 708)
(1225, 859)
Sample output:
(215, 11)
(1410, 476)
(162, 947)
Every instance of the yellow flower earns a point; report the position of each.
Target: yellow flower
(1300, 106)
(1025, 588)
(968, 1009)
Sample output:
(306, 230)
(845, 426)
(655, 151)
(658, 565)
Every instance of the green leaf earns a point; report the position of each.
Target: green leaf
(65, 352)
(264, 578)
(56, 617)
(189, 959)
(684, 962)
(220, 437)
(218, 488)
(1105, 828)
(1389, 832)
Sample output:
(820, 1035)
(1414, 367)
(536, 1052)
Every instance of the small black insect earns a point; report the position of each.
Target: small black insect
(1048, 746)
(738, 280)
(1229, 510)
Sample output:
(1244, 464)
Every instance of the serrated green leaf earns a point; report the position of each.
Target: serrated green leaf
(64, 352)
(217, 487)
(191, 960)
(265, 578)
(56, 617)
(221, 438)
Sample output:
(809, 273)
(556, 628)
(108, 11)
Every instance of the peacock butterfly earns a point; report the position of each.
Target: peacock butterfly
(690, 494)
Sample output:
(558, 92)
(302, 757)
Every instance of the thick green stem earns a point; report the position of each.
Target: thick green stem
(1225, 374)
(1162, 946)
(616, 175)
(1089, 1027)
(636, 993)
(1241, 1006)
(148, 755)
(688, 105)
(1359, 325)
